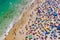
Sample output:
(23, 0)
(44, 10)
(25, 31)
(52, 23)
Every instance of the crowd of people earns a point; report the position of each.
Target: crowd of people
(46, 25)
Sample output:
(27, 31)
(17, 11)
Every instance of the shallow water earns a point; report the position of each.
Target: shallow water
(8, 10)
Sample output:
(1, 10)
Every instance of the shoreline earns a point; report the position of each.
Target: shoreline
(15, 21)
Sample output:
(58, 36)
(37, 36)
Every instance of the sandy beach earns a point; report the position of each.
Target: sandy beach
(28, 24)
(14, 34)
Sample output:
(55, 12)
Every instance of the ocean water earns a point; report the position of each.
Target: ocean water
(8, 10)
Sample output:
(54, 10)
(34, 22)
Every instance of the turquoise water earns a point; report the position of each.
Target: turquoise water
(8, 11)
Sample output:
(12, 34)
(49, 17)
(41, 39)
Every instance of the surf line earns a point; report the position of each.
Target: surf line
(16, 20)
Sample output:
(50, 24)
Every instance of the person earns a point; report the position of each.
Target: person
(58, 27)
